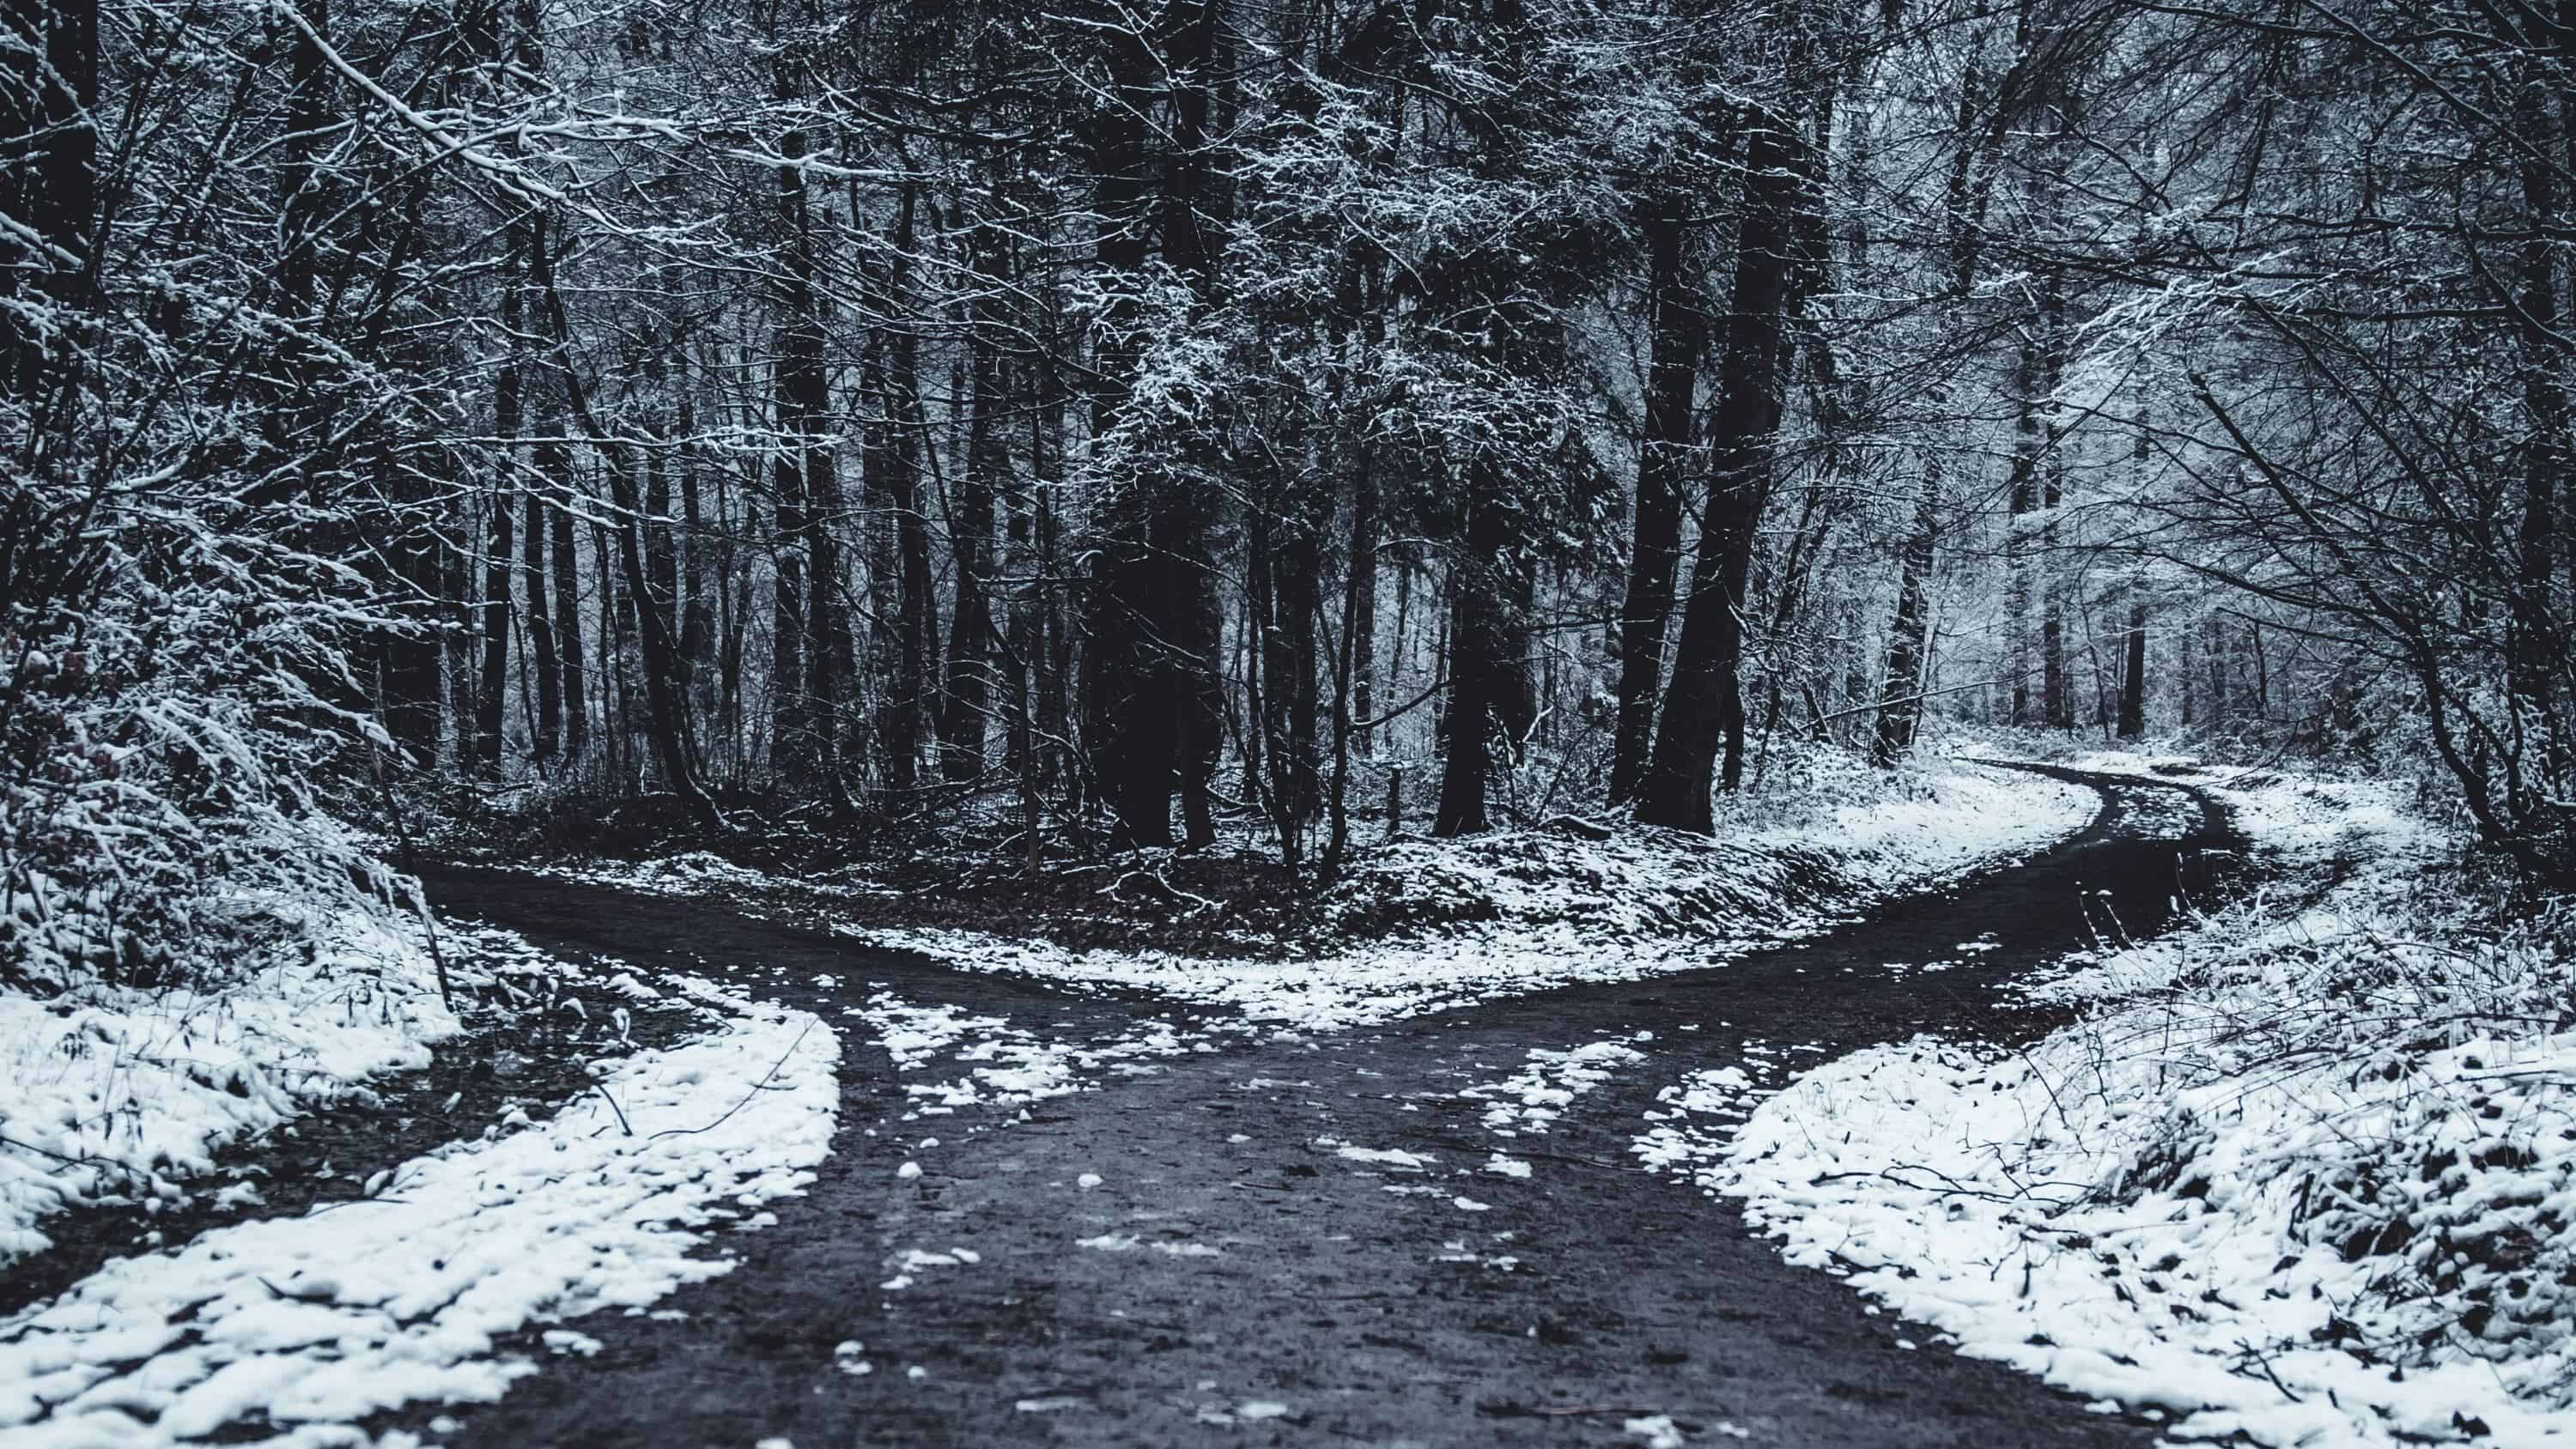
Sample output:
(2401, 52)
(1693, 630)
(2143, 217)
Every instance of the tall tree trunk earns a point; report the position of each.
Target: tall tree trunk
(1679, 332)
(48, 179)
(1479, 671)
(2133, 678)
(699, 583)
(902, 724)
(2021, 500)
(497, 564)
(1703, 709)
(2215, 652)
(2054, 700)
(1289, 665)
(967, 702)
(503, 552)
(1155, 710)
(553, 461)
(1359, 605)
(547, 726)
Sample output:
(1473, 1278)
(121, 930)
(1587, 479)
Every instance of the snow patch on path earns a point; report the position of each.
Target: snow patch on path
(1533, 1098)
(1006, 1065)
(400, 1298)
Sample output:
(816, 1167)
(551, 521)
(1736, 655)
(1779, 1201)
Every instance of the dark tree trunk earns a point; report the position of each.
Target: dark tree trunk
(48, 175)
(802, 705)
(2133, 678)
(1703, 709)
(967, 702)
(496, 634)
(1480, 673)
(699, 583)
(1154, 708)
(2215, 652)
(553, 461)
(456, 591)
(2055, 702)
(791, 755)
(503, 552)
(547, 726)
(1359, 605)
(1290, 608)
(902, 724)
(831, 651)
(1679, 334)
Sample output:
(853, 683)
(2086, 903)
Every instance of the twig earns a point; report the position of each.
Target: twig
(602, 1090)
(746, 1097)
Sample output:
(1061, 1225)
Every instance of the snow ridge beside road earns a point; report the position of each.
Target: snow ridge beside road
(406, 1296)
(110, 1091)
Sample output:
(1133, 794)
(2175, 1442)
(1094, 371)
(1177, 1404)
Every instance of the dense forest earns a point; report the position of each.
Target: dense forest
(1086, 424)
(1441, 722)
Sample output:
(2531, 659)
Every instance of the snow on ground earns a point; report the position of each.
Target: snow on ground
(2304, 1175)
(1533, 1098)
(113, 1093)
(400, 1297)
(1427, 925)
(1008, 1065)
(1700, 1113)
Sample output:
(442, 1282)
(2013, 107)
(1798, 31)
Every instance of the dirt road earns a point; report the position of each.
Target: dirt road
(1248, 1281)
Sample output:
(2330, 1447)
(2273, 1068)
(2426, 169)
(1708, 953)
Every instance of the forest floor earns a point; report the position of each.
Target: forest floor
(1017, 1205)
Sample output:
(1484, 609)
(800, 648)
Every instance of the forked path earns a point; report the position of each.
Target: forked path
(1188, 1257)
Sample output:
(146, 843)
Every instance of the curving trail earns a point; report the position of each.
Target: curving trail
(1249, 1286)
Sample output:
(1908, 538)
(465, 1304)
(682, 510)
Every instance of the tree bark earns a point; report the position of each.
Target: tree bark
(2133, 677)
(1679, 333)
(968, 699)
(2054, 701)
(547, 727)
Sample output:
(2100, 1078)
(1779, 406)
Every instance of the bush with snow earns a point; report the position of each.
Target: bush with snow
(168, 700)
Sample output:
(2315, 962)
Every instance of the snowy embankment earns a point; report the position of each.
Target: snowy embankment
(299, 1329)
(2304, 1174)
(1423, 925)
(112, 1093)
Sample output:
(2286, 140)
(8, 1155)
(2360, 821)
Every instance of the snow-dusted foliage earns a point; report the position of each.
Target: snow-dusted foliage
(188, 514)
(157, 759)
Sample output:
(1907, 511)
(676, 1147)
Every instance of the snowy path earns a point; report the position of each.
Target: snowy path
(1057, 1212)
(1432, 1232)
